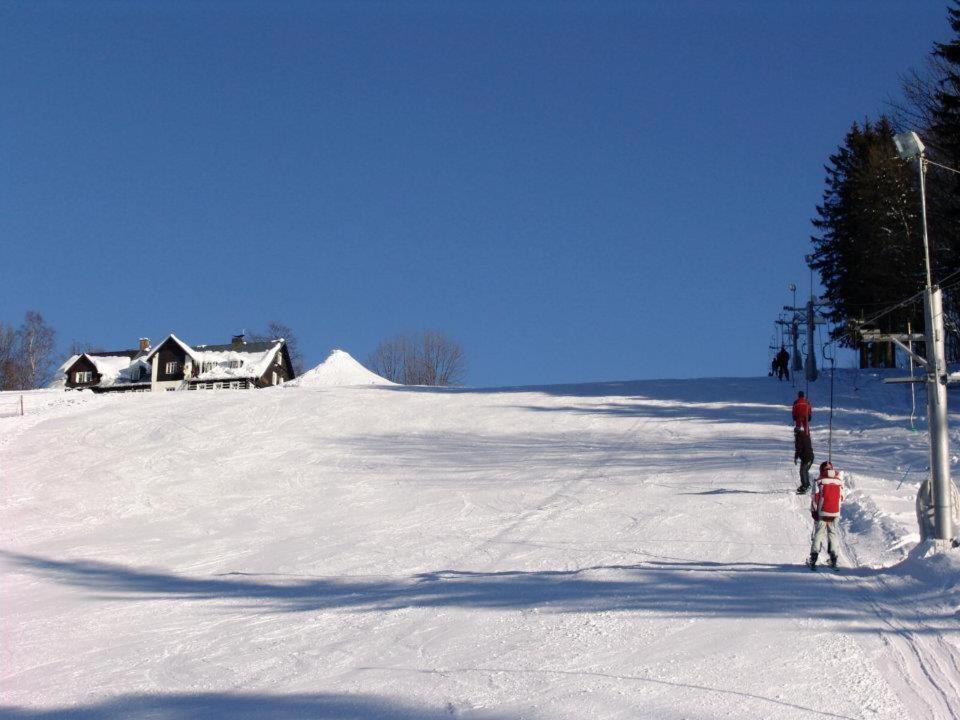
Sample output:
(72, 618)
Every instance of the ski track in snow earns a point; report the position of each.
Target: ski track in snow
(617, 550)
(921, 663)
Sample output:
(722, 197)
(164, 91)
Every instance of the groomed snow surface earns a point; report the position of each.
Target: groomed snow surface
(620, 550)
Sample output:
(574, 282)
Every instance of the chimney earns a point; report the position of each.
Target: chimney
(237, 340)
(144, 344)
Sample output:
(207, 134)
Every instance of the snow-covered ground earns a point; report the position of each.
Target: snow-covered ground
(616, 550)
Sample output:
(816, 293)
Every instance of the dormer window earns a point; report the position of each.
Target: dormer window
(235, 364)
(83, 376)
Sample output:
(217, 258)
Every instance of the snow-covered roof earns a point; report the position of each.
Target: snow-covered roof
(186, 348)
(113, 369)
(339, 369)
(225, 362)
(68, 363)
(60, 376)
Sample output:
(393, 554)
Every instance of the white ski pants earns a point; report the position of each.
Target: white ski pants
(833, 536)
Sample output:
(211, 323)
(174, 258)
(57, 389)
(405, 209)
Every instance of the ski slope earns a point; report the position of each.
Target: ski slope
(612, 550)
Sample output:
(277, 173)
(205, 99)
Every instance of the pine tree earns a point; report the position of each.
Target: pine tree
(943, 201)
(869, 252)
(946, 112)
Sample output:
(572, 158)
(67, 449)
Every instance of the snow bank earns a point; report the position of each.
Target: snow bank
(337, 370)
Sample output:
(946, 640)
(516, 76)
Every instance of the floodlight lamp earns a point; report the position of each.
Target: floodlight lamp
(791, 287)
(908, 145)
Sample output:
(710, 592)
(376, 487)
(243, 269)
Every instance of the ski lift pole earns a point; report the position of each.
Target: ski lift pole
(833, 371)
(913, 390)
(833, 363)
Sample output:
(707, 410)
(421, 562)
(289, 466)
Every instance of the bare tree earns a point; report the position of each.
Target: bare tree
(390, 358)
(427, 358)
(915, 109)
(443, 359)
(34, 351)
(79, 347)
(277, 330)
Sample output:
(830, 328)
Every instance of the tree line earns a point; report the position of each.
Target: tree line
(29, 355)
(868, 249)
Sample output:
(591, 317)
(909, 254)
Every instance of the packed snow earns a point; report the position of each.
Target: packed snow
(617, 550)
(339, 369)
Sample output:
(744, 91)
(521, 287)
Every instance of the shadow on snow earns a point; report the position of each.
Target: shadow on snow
(682, 588)
(230, 706)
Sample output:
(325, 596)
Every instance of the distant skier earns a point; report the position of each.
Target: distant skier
(783, 364)
(802, 413)
(802, 453)
(825, 510)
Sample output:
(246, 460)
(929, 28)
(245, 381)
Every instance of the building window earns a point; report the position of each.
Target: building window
(83, 376)
(235, 364)
(172, 367)
(235, 385)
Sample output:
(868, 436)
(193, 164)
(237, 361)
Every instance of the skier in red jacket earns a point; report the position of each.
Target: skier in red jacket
(802, 413)
(825, 509)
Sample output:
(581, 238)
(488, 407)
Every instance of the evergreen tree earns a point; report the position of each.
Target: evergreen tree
(943, 187)
(869, 252)
(946, 111)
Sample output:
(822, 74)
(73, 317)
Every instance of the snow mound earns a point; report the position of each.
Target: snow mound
(338, 369)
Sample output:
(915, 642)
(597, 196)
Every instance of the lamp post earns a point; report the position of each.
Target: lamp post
(910, 147)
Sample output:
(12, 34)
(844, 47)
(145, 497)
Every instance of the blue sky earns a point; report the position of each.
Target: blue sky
(573, 191)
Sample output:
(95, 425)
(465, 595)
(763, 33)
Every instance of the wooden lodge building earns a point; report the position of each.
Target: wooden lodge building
(174, 365)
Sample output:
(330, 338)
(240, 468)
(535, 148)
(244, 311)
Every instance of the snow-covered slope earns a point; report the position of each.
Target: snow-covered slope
(617, 550)
(339, 369)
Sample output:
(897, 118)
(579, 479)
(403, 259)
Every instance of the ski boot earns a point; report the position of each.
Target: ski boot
(833, 560)
(812, 561)
(803, 490)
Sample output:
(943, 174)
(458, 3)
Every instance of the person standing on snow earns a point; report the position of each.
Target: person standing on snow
(802, 453)
(802, 413)
(783, 363)
(825, 509)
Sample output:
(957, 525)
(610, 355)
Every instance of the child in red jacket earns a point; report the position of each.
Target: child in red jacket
(825, 509)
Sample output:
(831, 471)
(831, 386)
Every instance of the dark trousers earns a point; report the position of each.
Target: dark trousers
(805, 473)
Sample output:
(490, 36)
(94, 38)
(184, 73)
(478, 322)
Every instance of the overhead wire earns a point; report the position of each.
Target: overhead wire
(931, 162)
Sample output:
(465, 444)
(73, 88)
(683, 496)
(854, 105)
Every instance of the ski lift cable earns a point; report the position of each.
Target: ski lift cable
(928, 161)
(905, 302)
